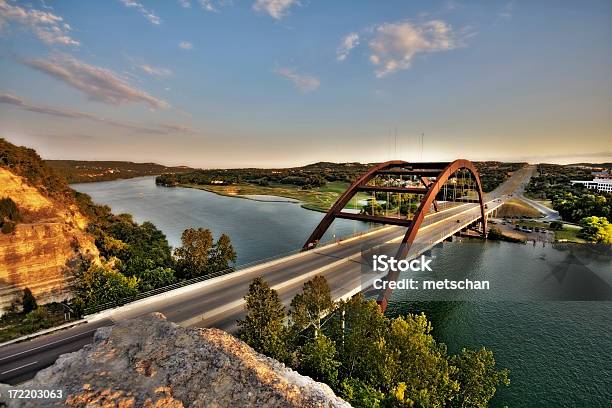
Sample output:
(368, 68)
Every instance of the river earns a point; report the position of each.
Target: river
(559, 353)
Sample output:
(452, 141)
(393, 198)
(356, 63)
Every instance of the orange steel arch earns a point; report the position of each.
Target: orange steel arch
(441, 171)
(423, 209)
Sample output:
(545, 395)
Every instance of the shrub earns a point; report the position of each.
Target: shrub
(28, 302)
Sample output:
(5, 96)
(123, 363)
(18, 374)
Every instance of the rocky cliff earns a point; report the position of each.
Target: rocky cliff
(149, 362)
(35, 254)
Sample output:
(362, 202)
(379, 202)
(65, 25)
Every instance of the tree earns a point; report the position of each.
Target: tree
(372, 208)
(478, 378)
(262, 327)
(361, 395)
(155, 278)
(318, 359)
(222, 255)
(308, 307)
(9, 215)
(193, 255)
(97, 284)
(28, 301)
(419, 370)
(596, 229)
(358, 331)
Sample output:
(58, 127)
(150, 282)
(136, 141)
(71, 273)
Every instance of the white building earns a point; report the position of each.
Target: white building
(599, 184)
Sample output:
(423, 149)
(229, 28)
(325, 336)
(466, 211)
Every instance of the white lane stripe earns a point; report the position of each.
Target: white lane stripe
(46, 344)
(18, 368)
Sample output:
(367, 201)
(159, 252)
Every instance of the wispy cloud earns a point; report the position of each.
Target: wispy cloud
(507, 11)
(275, 8)
(305, 82)
(185, 3)
(161, 129)
(99, 84)
(47, 26)
(149, 15)
(349, 42)
(393, 46)
(186, 45)
(155, 71)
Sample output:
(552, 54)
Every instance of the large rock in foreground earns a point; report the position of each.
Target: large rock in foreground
(149, 362)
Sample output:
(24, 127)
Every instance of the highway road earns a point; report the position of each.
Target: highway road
(218, 302)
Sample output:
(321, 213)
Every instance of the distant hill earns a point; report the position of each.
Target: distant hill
(79, 171)
(602, 165)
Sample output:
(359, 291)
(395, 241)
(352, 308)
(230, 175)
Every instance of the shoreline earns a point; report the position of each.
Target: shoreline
(302, 204)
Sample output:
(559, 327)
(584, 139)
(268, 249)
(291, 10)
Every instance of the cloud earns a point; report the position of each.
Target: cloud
(48, 27)
(99, 84)
(185, 3)
(149, 15)
(155, 71)
(161, 129)
(349, 42)
(305, 82)
(214, 5)
(393, 46)
(507, 11)
(208, 5)
(186, 45)
(275, 8)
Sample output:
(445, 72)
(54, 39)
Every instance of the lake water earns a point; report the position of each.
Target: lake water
(559, 353)
(258, 229)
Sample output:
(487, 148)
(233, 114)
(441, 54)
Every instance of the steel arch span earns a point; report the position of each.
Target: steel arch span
(441, 172)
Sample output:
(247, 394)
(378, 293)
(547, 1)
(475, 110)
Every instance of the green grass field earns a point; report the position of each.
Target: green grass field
(318, 199)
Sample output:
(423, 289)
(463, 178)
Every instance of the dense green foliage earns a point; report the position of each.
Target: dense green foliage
(596, 229)
(574, 202)
(9, 215)
(367, 358)
(98, 284)
(200, 255)
(263, 328)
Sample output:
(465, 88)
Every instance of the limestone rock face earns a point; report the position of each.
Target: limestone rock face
(35, 254)
(149, 362)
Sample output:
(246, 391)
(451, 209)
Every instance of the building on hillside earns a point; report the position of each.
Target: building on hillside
(602, 184)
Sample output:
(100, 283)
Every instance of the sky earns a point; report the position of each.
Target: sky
(274, 83)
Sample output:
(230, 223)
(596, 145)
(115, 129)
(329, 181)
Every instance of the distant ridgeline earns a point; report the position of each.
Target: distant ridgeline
(313, 175)
(78, 171)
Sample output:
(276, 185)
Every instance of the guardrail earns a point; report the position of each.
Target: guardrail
(183, 283)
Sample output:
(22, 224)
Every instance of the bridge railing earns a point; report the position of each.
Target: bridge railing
(180, 284)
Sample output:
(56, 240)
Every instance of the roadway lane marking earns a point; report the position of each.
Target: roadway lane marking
(46, 344)
(18, 368)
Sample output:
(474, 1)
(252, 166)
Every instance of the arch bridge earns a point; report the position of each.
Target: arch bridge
(423, 187)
